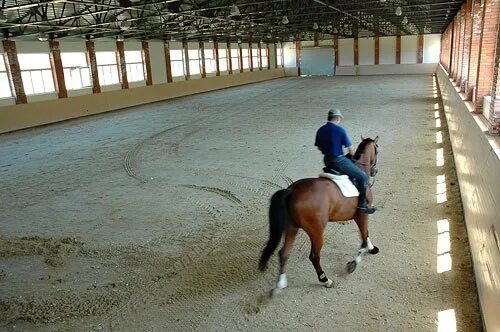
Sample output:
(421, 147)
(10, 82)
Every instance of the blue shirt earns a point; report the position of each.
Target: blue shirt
(331, 138)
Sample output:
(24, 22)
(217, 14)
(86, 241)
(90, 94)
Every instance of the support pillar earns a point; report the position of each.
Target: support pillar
(420, 48)
(14, 71)
(92, 62)
(146, 60)
(398, 49)
(216, 52)
(122, 67)
(168, 62)
(229, 59)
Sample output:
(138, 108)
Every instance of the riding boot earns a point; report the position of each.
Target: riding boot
(363, 203)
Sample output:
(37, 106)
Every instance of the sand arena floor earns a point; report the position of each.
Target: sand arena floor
(153, 218)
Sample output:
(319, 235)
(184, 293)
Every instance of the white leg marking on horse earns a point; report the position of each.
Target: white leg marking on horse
(282, 281)
(369, 244)
(328, 283)
(358, 259)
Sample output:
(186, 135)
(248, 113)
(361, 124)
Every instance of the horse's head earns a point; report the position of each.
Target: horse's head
(366, 155)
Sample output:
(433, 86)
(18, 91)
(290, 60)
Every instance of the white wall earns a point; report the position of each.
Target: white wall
(158, 66)
(366, 51)
(432, 48)
(289, 56)
(409, 49)
(387, 50)
(346, 52)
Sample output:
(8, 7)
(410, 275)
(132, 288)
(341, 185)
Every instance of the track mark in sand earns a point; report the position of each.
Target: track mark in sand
(287, 179)
(222, 192)
(130, 159)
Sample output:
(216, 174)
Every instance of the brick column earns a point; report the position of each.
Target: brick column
(168, 62)
(240, 57)
(356, 51)
(297, 56)
(316, 39)
(466, 51)
(250, 56)
(377, 50)
(201, 54)
(268, 57)
(477, 22)
(398, 49)
(336, 50)
(420, 48)
(216, 52)
(14, 71)
(185, 49)
(259, 55)
(57, 69)
(229, 59)
(487, 57)
(146, 61)
(454, 48)
(122, 67)
(92, 62)
(494, 116)
(461, 16)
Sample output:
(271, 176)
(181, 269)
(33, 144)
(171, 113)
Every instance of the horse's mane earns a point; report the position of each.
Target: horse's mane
(361, 148)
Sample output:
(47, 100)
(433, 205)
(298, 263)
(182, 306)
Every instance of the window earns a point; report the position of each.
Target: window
(264, 56)
(279, 56)
(223, 59)
(194, 62)
(107, 68)
(135, 68)
(4, 81)
(36, 73)
(210, 61)
(246, 61)
(235, 59)
(76, 70)
(255, 58)
(176, 63)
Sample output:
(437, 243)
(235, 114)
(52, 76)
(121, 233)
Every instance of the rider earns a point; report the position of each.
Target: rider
(330, 140)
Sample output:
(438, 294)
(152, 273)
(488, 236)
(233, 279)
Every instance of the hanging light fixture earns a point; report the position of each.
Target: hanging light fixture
(42, 36)
(235, 11)
(285, 20)
(405, 20)
(124, 25)
(399, 11)
(315, 26)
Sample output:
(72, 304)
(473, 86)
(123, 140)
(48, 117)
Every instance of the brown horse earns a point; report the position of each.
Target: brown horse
(310, 204)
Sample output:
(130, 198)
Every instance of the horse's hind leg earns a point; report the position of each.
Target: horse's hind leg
(314, 256)
(366, 244)
(284, 253)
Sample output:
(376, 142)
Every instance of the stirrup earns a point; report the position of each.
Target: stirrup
(367, 209)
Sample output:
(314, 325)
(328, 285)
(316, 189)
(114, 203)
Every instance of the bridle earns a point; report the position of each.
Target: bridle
(373, 165)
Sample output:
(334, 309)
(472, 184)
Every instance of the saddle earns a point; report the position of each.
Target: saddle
(345, 184)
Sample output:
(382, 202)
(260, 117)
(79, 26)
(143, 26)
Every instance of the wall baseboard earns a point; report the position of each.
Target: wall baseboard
(403, 69)
(15, 117)
(477, 165)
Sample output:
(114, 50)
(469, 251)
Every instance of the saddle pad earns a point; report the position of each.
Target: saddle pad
(348, 189)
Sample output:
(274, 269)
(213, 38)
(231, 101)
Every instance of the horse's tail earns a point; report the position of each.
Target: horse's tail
(279, 219)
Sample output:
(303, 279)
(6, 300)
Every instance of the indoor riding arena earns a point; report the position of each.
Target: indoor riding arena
(142, 140)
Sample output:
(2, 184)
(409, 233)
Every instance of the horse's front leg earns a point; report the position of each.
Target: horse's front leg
(366, 245)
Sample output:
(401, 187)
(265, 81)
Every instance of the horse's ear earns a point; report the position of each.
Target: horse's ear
(362, 138)
(376, 140)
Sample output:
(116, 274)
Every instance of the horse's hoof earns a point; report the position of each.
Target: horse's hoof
(351, 266)
(276, 291)
(328, 283)
(374, 251)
